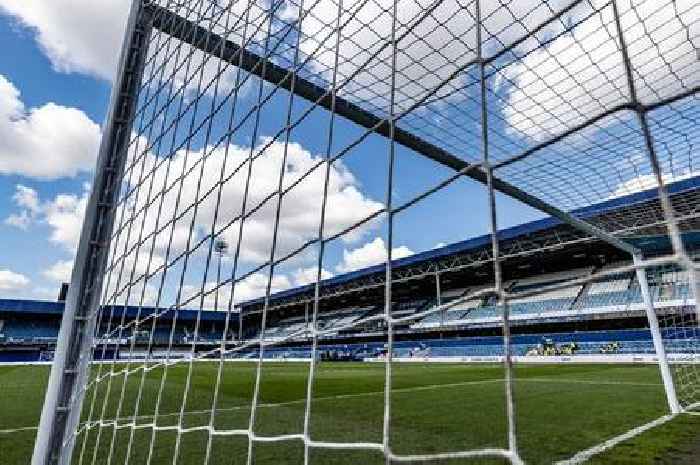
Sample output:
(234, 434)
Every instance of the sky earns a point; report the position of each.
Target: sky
(56, 74)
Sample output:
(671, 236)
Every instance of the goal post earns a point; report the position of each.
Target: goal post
(657, 339)
(205, 197)
(63, 399)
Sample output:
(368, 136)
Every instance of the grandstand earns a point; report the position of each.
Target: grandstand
(541, 255)
(580, 307)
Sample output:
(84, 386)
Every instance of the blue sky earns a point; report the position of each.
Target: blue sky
(55, 82)
(29, 252)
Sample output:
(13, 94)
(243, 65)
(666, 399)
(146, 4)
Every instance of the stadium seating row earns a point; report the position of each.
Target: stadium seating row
(588, 342)
(613, 294)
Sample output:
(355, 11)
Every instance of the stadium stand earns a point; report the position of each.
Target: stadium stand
(568, 302)
(617, 293)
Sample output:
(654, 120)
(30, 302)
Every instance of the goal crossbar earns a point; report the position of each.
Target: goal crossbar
(211, 43)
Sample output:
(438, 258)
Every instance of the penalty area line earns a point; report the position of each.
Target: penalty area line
(587, 454)
(426, 387)
(91, 424)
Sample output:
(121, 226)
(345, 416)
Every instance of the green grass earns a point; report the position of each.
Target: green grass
(435, 408)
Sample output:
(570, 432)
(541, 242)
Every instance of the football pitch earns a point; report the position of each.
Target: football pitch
(435, 408)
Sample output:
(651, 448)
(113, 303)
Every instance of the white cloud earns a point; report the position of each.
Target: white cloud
(43, 293)
(48, 142)
(438, 45)
(76, 35)
(647, 181)
(252, 287)
(255, 285)
(11, 281)
(304, 276)
(19, 220)
(581, 74)
(371, 253)
(135, 294)
(85, 36)
(63, 214)
(300, 211)
(150, 294)
(28, 200)
(299, 218)
(59, 271)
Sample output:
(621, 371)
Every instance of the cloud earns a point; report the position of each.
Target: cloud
(85, 36)
(11, 281)
(304, 276)
(581, 74)
(437, 46)
(63, 214)
(29, 211)
(253, 287)
(28, 200)
(59, 271)
(137, 294)
(19, 220)
(300, 210)
(371, 253)
(48, 142)
(647, 181)
(76, 35)
(299, 216)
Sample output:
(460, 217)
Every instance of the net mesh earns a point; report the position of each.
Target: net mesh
(678, 318)
(567, 104)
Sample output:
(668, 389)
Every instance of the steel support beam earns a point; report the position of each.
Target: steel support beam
(438, 297)
(65, 392)
(199, 37)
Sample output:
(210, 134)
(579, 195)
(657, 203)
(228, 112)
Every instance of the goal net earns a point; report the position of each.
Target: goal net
(260, 154)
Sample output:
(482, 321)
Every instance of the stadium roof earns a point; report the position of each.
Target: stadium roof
(41, 307)
(617, 213)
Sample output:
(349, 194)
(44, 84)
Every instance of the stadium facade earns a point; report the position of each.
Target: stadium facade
(564, 300)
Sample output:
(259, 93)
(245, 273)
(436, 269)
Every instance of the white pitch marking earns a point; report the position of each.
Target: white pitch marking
(585, 455)
(586, 381)
(17, 430)
(303, 400)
